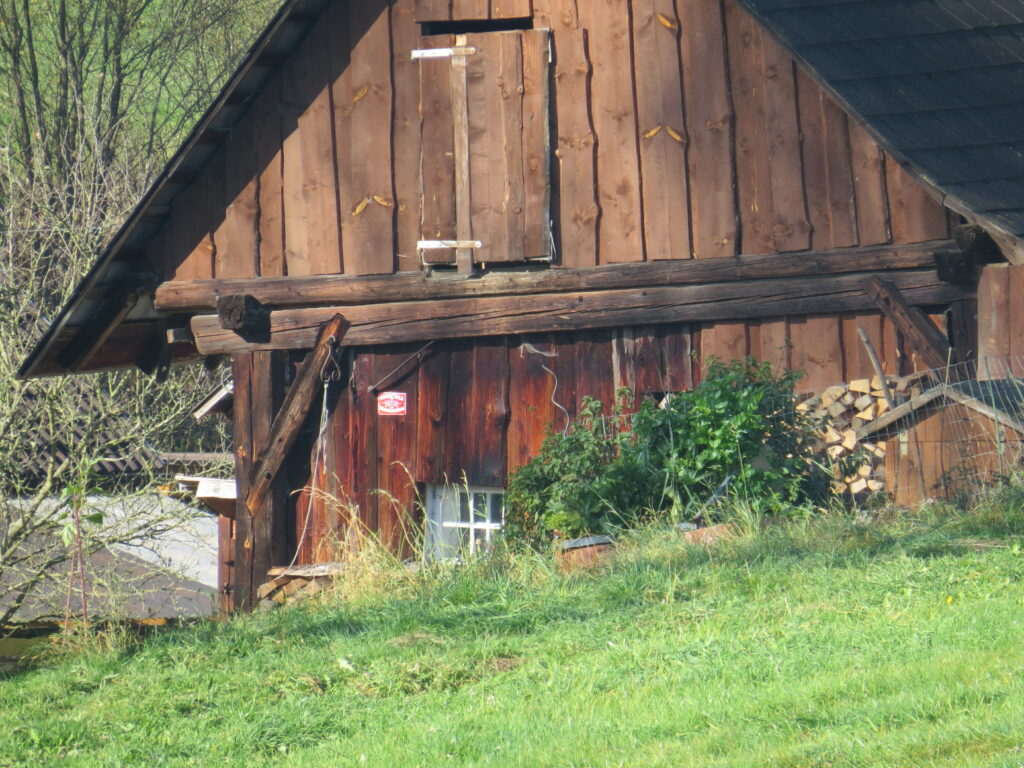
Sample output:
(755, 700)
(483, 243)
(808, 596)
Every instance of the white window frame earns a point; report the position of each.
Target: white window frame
(445, 527)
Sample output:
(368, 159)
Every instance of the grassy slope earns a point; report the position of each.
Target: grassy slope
(822, 644)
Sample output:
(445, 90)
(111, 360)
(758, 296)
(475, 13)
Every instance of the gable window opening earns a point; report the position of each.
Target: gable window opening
(475, 26)
(462, 520)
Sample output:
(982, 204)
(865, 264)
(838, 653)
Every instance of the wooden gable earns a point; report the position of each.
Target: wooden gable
(675, 130)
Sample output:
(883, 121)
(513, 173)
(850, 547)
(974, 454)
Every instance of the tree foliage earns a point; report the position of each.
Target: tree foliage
(95, 95)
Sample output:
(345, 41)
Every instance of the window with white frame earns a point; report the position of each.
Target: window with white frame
(462, 520)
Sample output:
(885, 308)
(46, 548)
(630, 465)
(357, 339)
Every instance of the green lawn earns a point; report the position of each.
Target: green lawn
(809, 644)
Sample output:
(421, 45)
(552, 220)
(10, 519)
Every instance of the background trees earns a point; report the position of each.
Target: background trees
(95, 95)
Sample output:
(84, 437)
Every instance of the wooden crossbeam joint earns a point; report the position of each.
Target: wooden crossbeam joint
(294, 410)
(245, 315)
(916, 328)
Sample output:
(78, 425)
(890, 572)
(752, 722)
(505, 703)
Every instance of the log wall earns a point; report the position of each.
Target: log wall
(680, 130)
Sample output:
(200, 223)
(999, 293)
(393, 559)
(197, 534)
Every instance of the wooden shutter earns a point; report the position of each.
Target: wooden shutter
(486, 148)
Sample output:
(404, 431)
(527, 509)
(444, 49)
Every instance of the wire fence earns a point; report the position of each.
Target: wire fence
(947, 433)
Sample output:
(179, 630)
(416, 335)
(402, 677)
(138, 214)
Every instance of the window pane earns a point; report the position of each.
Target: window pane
(497, 508)
(463, 507)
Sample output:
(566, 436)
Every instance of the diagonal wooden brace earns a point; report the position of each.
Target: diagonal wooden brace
(916, 328)
(294, 410)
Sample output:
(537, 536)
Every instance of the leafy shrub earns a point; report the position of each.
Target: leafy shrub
(579, 483)
(740, 428)
(738, 432)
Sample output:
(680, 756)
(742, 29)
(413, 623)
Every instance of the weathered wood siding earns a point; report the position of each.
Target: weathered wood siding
(479, 409)
(680, 129)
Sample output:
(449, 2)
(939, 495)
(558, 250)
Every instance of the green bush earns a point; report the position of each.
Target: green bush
(738, 433)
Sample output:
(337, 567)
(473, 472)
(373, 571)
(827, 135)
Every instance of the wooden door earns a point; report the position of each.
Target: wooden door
(485, 169)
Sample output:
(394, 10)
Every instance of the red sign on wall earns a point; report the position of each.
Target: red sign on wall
(392, 404)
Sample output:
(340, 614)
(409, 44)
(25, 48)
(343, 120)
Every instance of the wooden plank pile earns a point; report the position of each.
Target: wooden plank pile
(843, 412)
(297, 582)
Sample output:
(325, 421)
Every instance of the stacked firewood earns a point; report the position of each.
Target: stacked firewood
(842, 411)
(297, 582)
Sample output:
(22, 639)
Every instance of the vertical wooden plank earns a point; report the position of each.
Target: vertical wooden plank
(620, 231)
(215, 178)
(487, 161)
(774, 345)
(407, 130)
(594, 368)
(188, 239)
(753, 171)
(838, 166)
(724, 342)
(577, 184)
(270, 159)
(709, 116)
(432, 416)
(341, 480)
(662, 126)
(311, 232)
(470, 10)
(363, 442)
(460, 415)
(827, 167)
(993, 319)
(828, 176)
(237, 250)
(437, 159)
(432, 10)
(680, 349)
(556, 15)
(650, 374)
(563, 392)
(244, 590)
(225, 565)
(1014, 321)
(817, 351)
(815, 169)
(789, 206)
(532, 413)
(511, 9)
(536, 138)
(464, 257)
(262, 540)
(362, 126)
(396, 455)
(916, 216)
(869, 183)
(497, 181)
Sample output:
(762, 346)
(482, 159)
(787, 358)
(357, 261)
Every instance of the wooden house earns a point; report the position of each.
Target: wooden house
(514, 204)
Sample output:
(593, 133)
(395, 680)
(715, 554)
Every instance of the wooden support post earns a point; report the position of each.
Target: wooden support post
(261, 536)
(916, 328)
(293, 413)
(460, 116)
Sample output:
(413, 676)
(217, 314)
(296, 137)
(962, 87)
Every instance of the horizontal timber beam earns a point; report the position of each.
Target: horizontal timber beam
(200, 296)
(394, 323)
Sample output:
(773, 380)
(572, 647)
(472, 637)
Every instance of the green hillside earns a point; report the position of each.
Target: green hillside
(822, 643)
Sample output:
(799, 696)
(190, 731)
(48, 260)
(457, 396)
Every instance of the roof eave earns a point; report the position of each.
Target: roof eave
(298, 14)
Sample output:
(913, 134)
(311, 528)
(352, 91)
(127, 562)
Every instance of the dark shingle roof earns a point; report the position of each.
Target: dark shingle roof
(939, 82)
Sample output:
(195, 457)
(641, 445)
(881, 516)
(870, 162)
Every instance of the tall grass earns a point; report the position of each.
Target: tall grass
(824, 641)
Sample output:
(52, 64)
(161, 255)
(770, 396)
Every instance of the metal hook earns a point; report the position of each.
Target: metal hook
(331, 372)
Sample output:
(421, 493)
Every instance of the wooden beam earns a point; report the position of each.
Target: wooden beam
(293, 412)
(916, 328)
(80, 352)
(547, 313)
(200, 296)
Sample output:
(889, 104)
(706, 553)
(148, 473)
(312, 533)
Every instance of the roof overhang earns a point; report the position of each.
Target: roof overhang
(109, 322)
